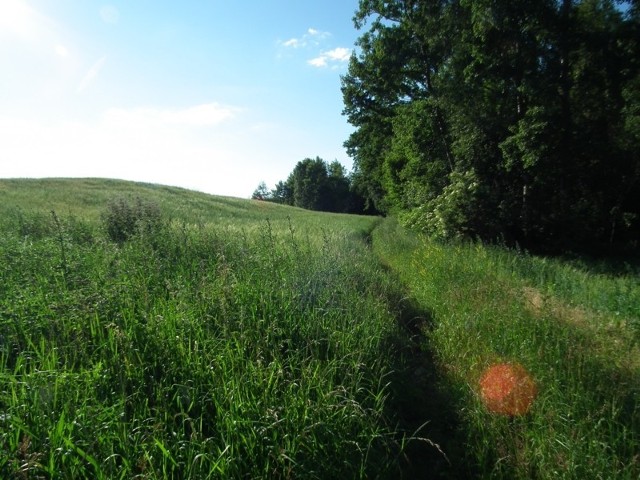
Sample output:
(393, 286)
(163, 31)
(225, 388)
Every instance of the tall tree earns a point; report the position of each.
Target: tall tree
(496, 118)
(309, 182)
(283, 193)
(261, 192)
(316, 185)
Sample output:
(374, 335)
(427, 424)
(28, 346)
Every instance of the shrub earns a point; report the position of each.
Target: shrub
(125, 218)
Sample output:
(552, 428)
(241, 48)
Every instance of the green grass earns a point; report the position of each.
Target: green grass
(246, 339)
(87, 199)
(576, 332)
(243, 339)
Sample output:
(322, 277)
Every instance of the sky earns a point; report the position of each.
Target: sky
(210, 95)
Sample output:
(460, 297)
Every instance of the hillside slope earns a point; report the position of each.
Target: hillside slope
(205, 337)
(88, 197)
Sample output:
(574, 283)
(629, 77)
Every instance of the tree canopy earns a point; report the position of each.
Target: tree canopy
(511, 120)
(315, 185)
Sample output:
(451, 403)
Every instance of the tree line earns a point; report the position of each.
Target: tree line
(511, 120)
(315, 184)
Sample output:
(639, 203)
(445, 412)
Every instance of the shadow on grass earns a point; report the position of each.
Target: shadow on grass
(608, 404)
(424, 405)
(614, 264)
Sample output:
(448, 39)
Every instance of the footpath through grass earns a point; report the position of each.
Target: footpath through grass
(575, 331)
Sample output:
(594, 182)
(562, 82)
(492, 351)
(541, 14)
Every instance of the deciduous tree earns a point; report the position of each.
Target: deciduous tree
(511, 120)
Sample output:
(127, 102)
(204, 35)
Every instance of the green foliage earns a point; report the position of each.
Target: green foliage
(126, 218)
(261, 192)
(283, 193)
(536, 100)
(417, 163)
(631, 110)
(308, 180)
(315, 185)
(449, 215)
(573, 325)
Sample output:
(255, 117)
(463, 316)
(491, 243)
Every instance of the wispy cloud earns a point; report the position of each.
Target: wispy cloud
(311, 37)
(292, 42)
(204, 115)
(332, 57)
(174, 146)
(318, 61)
(314, 39)
(319, 34)
(109, 14)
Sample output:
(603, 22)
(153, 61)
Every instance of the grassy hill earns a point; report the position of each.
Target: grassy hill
(154, 332)
(87, 199)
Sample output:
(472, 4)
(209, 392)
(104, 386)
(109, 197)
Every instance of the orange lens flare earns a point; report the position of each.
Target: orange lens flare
(507, 389)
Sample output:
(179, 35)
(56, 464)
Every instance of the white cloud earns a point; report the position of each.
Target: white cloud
(156, 145)
(205, 115)
(311, 37)
(319, 62)
(339, 54)
(109, 14)
(333, 57)
(91, 74)
(311, 40)
(312, 32)
(293, 42)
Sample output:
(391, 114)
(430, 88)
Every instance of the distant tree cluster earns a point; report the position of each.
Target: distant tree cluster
(500, 119)
(315, 185)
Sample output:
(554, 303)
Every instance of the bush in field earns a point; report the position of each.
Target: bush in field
(125, 218)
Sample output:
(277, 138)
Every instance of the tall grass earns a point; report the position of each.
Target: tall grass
(237, 338)
(491, 306)
(212, 350)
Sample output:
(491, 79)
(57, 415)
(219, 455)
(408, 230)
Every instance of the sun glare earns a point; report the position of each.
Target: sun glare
(507, 389)
(18, 18)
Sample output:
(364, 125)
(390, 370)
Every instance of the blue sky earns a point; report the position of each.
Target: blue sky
(213, 95)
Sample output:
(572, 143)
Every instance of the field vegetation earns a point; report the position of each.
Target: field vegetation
(573, 327)
(151, 332)
(154, 332)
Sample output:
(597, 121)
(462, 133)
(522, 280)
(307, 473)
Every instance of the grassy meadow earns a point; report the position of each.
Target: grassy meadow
(229, 338)
(577, 332)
